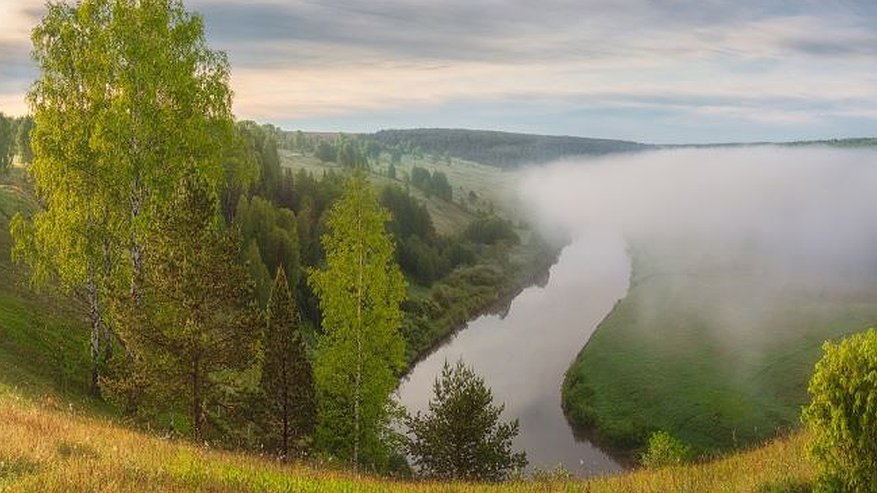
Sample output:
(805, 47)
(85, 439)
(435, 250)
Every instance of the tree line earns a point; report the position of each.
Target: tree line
(15, 140)
(227, 298)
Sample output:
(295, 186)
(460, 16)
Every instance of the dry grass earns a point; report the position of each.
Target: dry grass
(49, 447)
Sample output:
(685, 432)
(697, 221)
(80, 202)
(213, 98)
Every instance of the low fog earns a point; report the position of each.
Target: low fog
(799, 214)
(750, 240)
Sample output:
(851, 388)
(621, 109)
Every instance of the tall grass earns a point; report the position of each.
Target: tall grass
(49, 447)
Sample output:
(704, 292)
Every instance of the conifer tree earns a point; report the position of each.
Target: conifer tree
(202, 317)
(461, 437)
(361, 349)
(287, 376)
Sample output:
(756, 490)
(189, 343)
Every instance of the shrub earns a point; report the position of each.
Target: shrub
(665, 450)
(842, 415)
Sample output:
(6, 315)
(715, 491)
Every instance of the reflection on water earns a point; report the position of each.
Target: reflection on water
(524, 355)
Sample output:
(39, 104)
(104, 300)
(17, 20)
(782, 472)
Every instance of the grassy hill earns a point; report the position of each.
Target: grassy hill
(52, 447)
(717, 357)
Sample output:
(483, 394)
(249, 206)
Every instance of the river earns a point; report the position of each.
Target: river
(523, 355)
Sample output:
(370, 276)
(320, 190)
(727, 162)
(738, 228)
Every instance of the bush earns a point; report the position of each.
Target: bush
(842, 415)
(665, 450)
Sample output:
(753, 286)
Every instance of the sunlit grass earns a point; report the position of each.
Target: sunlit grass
(47, 447)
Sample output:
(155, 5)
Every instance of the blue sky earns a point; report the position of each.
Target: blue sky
(648, 70)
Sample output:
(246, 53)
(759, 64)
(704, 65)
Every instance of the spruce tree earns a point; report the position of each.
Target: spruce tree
(461, 437)
(287, 376)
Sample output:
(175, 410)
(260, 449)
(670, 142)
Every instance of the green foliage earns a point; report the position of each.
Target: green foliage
(435, 183)
(258, 272)
(361, 350)
(663, 449)
(842, 415)
(461, 437)
(287, 380)
(7, 141)
(273, 230)
(22, 139)
(242, 169)
(201, 320)
(129, 101)
(491, 230)
(325, 152)
(419, 247)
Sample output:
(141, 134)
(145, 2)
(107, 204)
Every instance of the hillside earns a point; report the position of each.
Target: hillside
(43, 348)
(52, 447)
(502, 149)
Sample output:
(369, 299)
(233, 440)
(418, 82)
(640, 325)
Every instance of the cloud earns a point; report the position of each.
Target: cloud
(787, 66)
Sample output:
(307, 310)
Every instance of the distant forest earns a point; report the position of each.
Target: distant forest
(502, 149)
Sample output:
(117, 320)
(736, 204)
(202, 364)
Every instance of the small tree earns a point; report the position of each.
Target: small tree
(461, 437)
(287, 376)
(665, 450)
(7, 141)
(842, 415)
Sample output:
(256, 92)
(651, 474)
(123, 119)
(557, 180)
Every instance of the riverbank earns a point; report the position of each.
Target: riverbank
(434, 316)
(707, 353)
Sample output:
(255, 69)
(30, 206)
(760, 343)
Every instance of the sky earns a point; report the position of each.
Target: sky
(656, 71)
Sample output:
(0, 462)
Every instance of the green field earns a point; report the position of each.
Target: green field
(716, 356)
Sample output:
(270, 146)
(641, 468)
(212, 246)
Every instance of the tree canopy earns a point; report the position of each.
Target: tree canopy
(129, 100)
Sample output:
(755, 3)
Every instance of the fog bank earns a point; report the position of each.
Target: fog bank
(799, 212)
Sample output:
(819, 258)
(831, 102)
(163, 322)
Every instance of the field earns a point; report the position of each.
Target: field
(711, 356)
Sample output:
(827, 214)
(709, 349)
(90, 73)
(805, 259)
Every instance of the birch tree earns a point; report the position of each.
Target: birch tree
(129, 99)
(361, 349)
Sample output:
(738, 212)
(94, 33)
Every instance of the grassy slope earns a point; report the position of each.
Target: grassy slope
(491, 185)
(670, 357)
(62, 449)
(42, 339)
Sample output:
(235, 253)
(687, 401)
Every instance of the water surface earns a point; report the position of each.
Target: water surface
(524, 355)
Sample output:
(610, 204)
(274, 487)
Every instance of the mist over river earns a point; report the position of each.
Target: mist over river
(523, 356)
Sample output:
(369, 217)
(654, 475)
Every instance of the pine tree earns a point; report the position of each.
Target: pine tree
(287, 376)
(202, 318)
(361, 349)
(461, 437)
